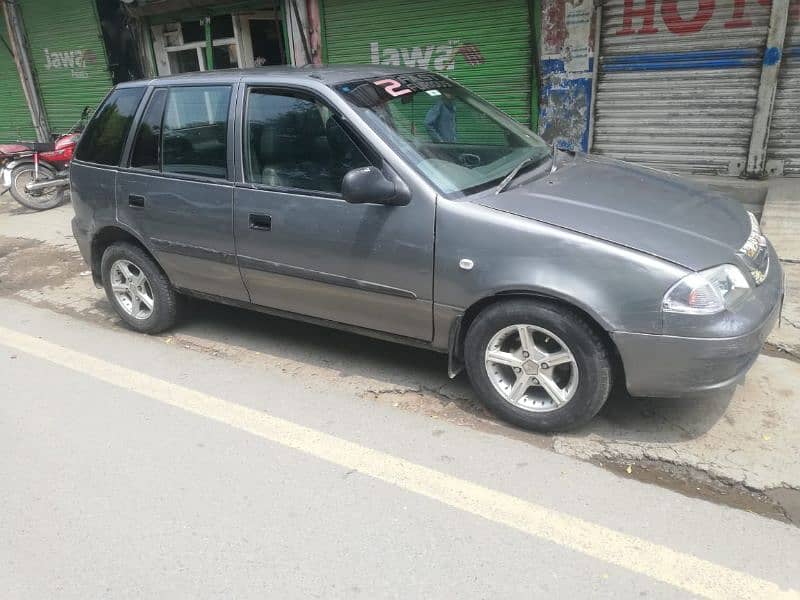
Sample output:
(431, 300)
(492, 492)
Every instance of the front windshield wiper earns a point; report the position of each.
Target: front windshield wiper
(515, 171)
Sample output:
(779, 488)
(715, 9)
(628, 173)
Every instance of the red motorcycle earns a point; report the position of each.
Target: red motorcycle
(37, 174)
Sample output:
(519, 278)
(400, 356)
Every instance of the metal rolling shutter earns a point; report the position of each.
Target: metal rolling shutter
(683, 101)
(483, 45)
(784, 137)
(15, 118)
(68, 56)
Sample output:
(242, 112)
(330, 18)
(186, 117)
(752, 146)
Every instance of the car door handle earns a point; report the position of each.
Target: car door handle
(136, 201)
(260, 222)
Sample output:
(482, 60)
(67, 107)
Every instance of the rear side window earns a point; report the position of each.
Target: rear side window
(105, 135)
(195, 131)
(147, 147)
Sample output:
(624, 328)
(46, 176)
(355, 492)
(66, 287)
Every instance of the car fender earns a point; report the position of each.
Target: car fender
(106, 228)
(483, 253)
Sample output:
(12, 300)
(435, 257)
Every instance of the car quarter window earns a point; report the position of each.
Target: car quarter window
(147, 145)
(295, 141)
(195, 131)
(104, 138)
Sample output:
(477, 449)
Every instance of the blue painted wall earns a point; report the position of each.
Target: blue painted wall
(566, 100)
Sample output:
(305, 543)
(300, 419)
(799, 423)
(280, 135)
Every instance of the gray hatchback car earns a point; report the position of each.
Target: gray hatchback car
(399, 205)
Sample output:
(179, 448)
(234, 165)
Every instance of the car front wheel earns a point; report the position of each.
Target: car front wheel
(138, 289)
(538, 364)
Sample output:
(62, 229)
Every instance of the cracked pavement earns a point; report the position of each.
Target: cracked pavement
(741, 446)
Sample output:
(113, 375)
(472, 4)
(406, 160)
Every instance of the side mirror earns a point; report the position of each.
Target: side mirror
(367, 185)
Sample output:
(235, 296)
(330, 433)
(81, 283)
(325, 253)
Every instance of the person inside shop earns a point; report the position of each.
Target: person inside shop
(440, 121)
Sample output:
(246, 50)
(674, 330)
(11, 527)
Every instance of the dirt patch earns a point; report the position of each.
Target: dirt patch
(27, 264)
(789, 501)
(774, 504)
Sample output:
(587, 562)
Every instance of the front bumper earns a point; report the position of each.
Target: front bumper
(679, 365)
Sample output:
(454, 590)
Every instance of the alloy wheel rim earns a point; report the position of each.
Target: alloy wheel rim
(531, 368)
(132, 289)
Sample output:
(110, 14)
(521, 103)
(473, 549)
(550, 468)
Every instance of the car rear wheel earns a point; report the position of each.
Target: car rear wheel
(138, 289)
(538, 364)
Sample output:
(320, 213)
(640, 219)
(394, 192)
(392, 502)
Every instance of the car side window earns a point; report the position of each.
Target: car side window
(104, 137)
(294, 141)
(195, 131)
(147, 146)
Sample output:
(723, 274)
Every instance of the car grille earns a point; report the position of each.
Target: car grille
(755, 252)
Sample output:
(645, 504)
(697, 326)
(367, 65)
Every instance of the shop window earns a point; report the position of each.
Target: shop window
(195, 131)
(241, 40)
(226, 57)
(104, 137)
(295, 142)
(147, 147)
(185, 61)
(221, 27)
(193, 31)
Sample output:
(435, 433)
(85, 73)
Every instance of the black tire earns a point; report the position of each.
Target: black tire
(588, 349)
(165, 299)
(43, 201)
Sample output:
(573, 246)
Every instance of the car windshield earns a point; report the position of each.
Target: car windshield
(459, 142)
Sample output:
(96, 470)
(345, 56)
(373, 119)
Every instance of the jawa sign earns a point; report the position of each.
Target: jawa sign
(683, 17)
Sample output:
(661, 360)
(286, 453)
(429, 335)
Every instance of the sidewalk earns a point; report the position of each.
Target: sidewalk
(781, 223)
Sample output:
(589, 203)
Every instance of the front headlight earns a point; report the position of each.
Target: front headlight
(707, 292)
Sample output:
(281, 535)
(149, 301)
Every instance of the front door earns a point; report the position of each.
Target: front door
(302, 248)
(176, 193)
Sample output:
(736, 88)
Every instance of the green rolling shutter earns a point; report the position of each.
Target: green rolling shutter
(68, 56)
(15, 118)
(482, 45)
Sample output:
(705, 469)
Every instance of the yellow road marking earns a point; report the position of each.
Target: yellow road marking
(678, 569)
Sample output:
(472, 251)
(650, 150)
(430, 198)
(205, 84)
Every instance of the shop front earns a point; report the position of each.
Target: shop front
(65, 53)
(15, 123)
(68, 56)
(486, 46)
(690, 87)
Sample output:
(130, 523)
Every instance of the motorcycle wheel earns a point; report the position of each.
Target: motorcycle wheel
(24, 174)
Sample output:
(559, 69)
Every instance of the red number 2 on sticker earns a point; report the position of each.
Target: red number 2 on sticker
(393, 87)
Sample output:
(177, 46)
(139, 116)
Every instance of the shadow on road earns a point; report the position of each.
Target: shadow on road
(623, 419)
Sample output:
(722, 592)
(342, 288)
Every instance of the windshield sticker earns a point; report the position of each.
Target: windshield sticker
(393, 87)
(368, 92)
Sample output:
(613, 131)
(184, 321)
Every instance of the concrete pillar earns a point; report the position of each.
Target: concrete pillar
(757, 155)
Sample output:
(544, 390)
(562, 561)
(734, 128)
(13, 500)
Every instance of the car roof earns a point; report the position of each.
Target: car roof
(327, 74)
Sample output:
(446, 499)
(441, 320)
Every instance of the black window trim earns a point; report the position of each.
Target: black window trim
(134, 123)
(126, 164)
(369, 152)
(230, 177)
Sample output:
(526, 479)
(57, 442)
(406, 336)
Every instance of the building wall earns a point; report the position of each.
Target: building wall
(567, 57)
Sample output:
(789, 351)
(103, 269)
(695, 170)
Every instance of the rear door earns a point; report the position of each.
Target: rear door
(301, 247)
(176, 191)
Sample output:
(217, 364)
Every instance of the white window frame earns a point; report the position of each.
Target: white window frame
(162, 50)
(242, 25)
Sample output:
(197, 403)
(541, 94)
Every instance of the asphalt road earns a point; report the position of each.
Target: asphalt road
(132, 468)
